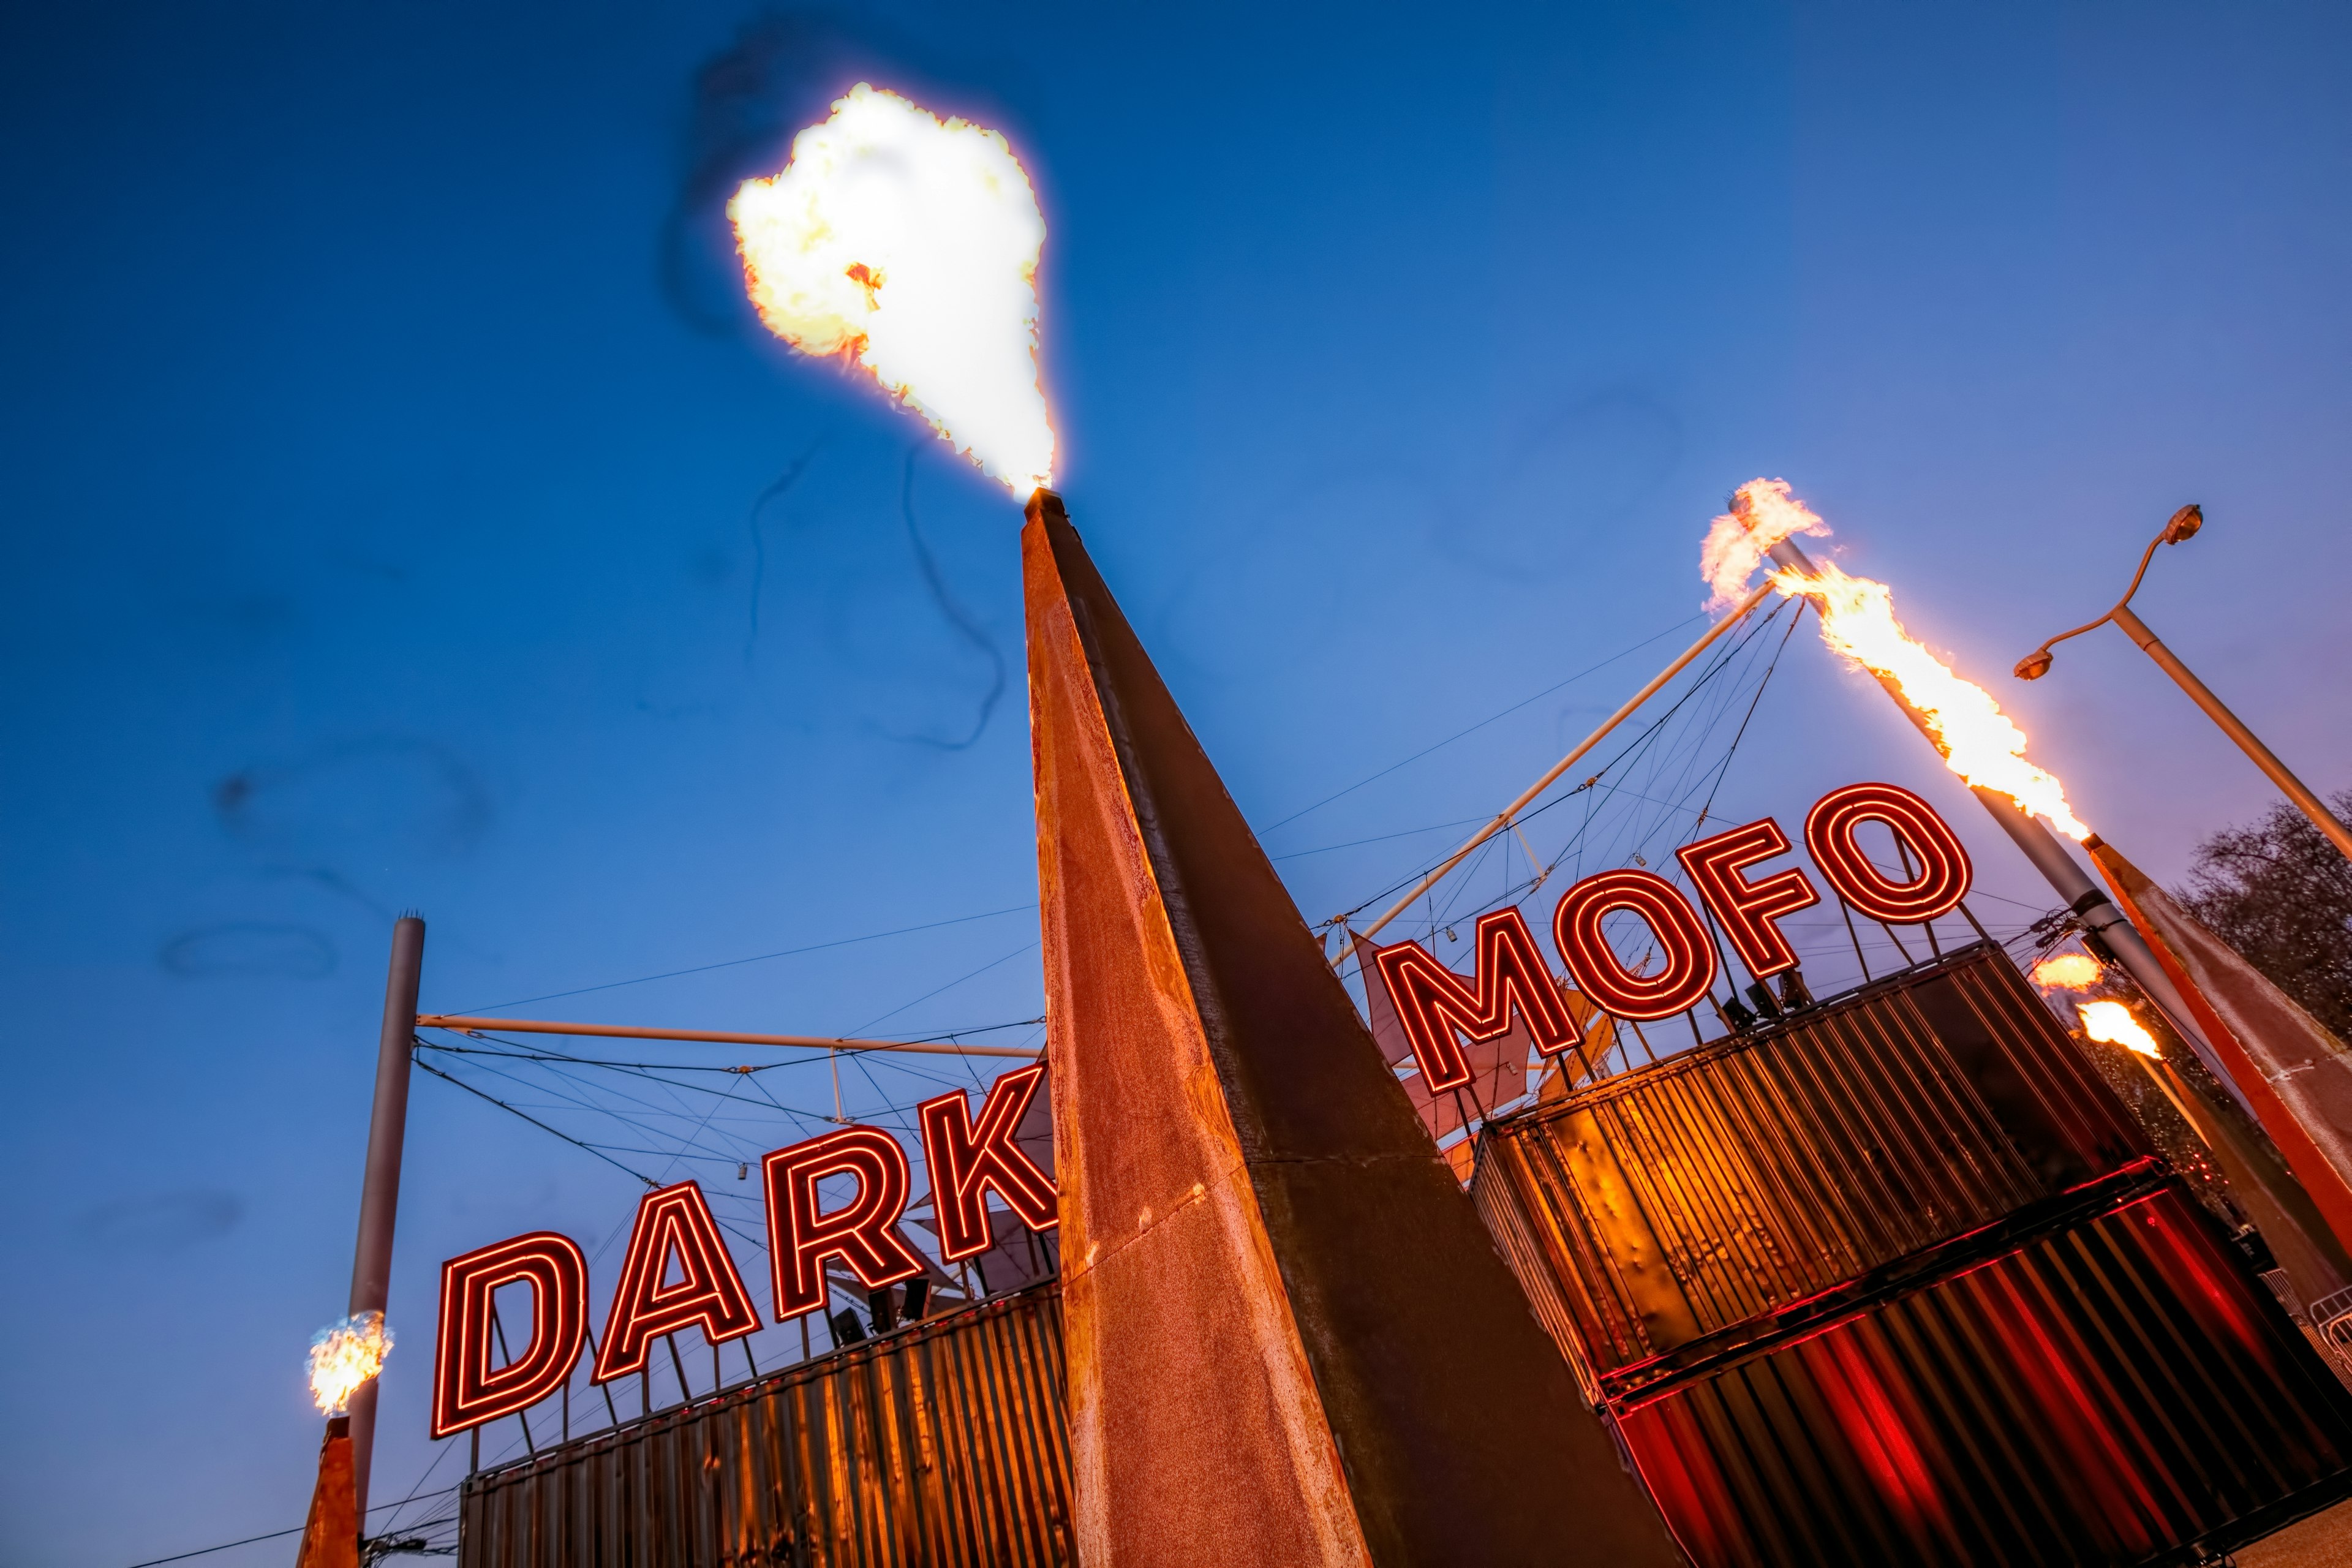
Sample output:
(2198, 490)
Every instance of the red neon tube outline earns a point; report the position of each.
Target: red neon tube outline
(672, 1221)
(1750, 911)
(1944, 870)
(1688, 973)
(1433, 1001)
(863, 1232)
(967, 1159)
(467, 1390)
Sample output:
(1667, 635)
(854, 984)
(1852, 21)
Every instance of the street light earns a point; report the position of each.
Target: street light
(2184, 524)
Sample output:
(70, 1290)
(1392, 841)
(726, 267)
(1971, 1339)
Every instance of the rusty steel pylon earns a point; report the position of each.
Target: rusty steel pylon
(1291, 1340)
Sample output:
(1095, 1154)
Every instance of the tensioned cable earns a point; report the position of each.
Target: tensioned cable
(535, 1122)
(1603, 786)
(1648, 734)
(1481, 724)
(275, 1534)
(951, 986)
(756, 958)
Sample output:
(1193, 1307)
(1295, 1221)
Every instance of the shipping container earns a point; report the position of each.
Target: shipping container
(941, 1442)
(1670, 1201)
(2120, 1392)
(1897, 1280)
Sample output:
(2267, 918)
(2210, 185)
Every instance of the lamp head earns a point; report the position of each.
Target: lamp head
(2034, 665)
(2185, 523)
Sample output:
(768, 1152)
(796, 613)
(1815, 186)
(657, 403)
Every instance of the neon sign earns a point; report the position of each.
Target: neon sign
(467, 1390)
(862, 1233)
(1434, 1001)
(1441, 1009)
(678, 1274)
(673, 1222)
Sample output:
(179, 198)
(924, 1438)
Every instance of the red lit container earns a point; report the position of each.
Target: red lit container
(1897, 1282)
(2118, 1393)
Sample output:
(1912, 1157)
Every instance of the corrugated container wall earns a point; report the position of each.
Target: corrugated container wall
(943, 1444)
(1898, 1281)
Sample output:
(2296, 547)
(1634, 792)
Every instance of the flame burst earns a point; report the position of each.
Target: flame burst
(344, 1355)
(2067, 972)
(2113, 1023)
(1980, 743)
(909, 245)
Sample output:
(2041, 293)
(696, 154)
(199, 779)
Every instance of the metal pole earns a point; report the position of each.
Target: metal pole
(1503, 818)
(716, 1036)
(2182, 526)
(2090, 904)
(2265, 758)
(380, 1189)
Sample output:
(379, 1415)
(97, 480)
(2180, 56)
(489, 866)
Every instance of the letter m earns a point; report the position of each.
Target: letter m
(1433, 1002)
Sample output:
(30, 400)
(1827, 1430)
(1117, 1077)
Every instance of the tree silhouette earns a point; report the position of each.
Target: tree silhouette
(2281, 894)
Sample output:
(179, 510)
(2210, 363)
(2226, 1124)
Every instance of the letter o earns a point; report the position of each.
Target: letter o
(1944, 868)
(1689, 969)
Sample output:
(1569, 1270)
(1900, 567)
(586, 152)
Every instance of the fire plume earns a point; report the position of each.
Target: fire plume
(2113, 1023)
(2067, 972)
(909, 245)
(345, 1354)
(1980, 743)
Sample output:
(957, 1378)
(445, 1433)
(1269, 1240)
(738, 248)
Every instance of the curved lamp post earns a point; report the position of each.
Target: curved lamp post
(2184, 523)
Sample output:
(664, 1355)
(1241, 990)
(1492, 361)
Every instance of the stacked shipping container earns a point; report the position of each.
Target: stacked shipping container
(1896, 1282)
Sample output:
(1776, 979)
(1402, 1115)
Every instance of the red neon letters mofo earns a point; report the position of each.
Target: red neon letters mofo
(1433, 1001)
(1682, 980)
(1944, 870)
(966, 1161)
(466, 1389)
(1750, 911)
(863, 1232)
(673, 1222)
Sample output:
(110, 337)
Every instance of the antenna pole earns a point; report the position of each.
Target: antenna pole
(380, 1189)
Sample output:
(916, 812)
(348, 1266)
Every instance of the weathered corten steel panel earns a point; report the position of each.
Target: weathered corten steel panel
(941, 1444)
(2119, 1392)
(1291, 1340)
(1669, 1203)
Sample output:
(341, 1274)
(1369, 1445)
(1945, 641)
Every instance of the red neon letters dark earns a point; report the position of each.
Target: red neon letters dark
(967, 1159)
(1682, 978)
(1750, 911)
(1944, 870)
(863, 1232)
(1433, 1002)
(673, 1222)
(466, 1389)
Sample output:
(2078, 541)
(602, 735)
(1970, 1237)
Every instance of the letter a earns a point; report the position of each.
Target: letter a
(673, 1222)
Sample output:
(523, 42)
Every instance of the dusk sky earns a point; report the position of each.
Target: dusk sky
(395, 481)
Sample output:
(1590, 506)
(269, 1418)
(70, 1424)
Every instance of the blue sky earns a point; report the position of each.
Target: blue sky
(383, 429)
